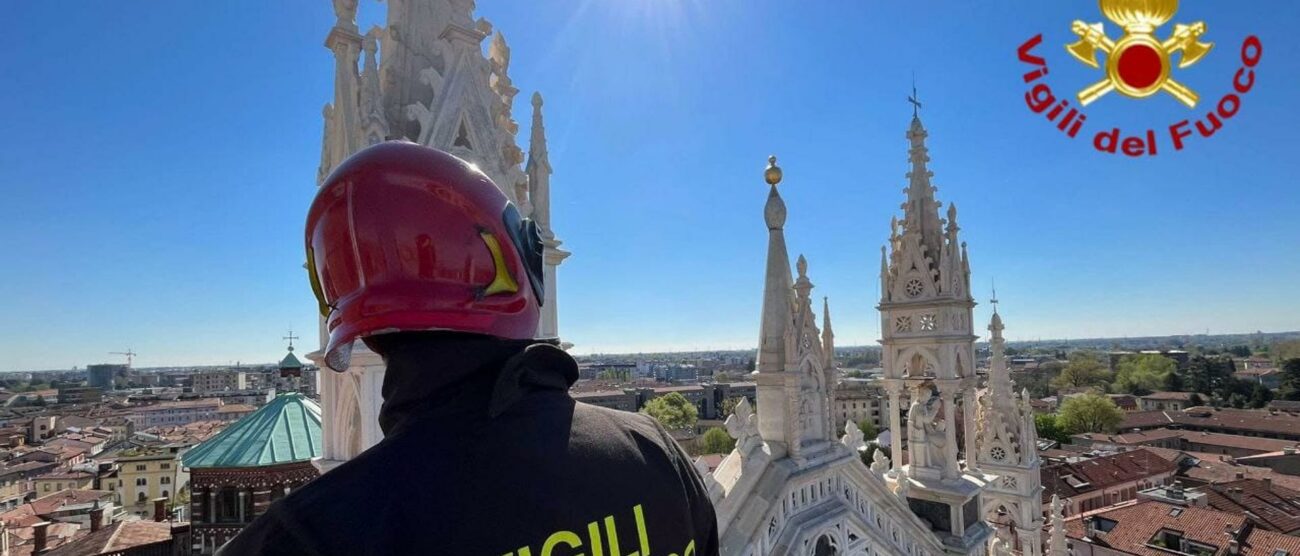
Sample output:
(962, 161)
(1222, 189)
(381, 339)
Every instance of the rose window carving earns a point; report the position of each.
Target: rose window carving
(914, 287)
(929, 322)
(997, 453)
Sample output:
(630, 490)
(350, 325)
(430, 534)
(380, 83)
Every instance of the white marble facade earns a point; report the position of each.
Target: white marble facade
(424, 77)
(790, 488)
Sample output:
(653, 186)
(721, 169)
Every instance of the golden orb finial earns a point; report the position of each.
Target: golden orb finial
(773, 172)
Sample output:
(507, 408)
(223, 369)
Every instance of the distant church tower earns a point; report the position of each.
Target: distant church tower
(928, 355)
(1008, 455)
(424, 78)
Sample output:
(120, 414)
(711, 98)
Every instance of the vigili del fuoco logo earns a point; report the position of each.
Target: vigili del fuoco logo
(1138, 65)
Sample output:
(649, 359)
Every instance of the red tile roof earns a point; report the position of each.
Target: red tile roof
(116, 538)
(1263, 421)
(1137, 524)
(1071, 479)
(1276, 507)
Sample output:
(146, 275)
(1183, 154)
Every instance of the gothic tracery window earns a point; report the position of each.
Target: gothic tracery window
(914, 287)
(929, 322)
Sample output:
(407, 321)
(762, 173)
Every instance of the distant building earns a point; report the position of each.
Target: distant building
(147, 474)
(1268, 377)
(101, 376)
(622, 400)
(1161, 401)
(620, 371)
(255, 398)
(1153, 527)
(228, 413)
(1264, 423)
(174, 413)
(1105, 481)
(81, 394)
(859, 400)
(56, 481)
(237, 474)
(217, 381)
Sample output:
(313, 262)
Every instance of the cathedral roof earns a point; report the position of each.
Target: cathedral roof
(286, 430)
(290, 361)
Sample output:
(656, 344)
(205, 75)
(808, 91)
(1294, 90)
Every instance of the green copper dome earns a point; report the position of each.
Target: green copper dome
(286, 430)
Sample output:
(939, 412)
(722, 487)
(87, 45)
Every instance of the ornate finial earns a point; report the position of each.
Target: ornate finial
(802, 265)
(994, 300)
(537, 99)
(772, 175)
(914, 99)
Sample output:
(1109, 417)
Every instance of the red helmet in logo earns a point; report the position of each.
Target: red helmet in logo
(402, 237)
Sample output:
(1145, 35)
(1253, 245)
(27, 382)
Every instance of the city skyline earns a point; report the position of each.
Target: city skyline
(184, 242)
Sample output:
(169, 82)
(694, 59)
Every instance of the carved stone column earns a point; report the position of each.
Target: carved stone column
(970, 410)
(949, 396)
(895, 425)
(552, 256)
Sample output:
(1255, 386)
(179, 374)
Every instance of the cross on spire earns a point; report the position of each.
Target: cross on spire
(994, 300)
(291, 338)
(914, 99)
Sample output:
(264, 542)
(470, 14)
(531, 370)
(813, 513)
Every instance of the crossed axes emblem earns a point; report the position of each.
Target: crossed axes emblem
(1138, 64)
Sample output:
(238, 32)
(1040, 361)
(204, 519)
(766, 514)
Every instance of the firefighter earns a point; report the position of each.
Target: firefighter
(419, 255)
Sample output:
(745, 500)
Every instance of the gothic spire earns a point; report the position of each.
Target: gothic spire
(999, 377)
(1056, 545)
(779, 284)
(777, 325)
(538, 169)
(828, 337)
(921, 210)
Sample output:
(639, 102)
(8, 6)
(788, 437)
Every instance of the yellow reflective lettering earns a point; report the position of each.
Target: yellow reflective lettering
(612, 532)
(593, 533)
(640, 530)
(567, 537)
(690, 549)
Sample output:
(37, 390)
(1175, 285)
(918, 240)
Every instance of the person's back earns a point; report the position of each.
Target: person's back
(544, 473)
(485, 452)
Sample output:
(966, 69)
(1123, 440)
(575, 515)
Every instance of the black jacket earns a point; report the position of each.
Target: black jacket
(492, 458)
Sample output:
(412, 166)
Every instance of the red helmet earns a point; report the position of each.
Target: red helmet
(402, 237)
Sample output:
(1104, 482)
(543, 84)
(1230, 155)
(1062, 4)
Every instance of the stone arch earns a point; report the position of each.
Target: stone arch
(908, 355)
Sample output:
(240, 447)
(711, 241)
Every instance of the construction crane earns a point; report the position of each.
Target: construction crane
(128, 353)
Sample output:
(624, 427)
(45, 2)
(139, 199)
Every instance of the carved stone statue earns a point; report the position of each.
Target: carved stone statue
(346, 12)
(853, 438)
(879, 463)
(928, 441)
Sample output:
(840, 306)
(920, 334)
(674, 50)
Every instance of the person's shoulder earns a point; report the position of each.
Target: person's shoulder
(626, 419)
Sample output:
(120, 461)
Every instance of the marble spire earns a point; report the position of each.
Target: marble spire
(828, 337)
(538, 169)
(921, 210)
(1056, 544)
(777, 318)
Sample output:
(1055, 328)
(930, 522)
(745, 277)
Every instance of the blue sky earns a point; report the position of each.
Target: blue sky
(157, 161)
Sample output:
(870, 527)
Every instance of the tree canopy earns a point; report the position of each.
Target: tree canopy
(673, 411)
(1144, 373)
(1049, 430)
(868, 429)
(1290, 387)
(716, 441)
(1089, 413)
(1084, 370)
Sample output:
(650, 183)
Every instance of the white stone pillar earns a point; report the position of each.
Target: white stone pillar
(969, 411)
(949, 397)
(552, 256)
(895, 426)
